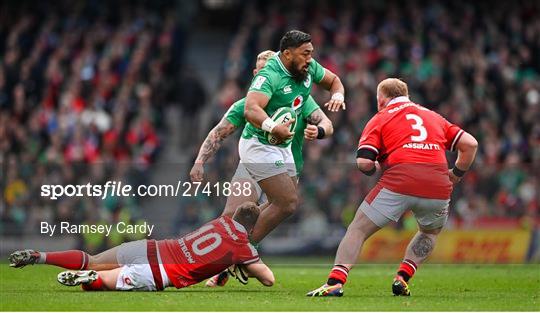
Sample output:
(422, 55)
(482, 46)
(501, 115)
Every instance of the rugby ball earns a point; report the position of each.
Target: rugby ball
(282, 116)
(239, 272)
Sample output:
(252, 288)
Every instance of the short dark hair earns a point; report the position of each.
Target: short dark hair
(247, 214)
(293, 39)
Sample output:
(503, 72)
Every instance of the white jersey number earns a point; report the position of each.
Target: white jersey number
(419, 126)
(196, 245)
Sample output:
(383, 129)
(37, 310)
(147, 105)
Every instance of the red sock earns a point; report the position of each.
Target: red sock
(338, 274)
(71, 259)
(95, 285)
(406, 269)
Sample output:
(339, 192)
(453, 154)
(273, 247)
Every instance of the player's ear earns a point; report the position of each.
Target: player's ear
(287, 53)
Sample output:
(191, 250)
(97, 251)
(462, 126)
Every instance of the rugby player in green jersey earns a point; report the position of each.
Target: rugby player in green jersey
(311, 118)
(285, 81)
(312, 124)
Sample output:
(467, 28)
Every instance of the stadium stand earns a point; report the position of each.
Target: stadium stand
(84, 85)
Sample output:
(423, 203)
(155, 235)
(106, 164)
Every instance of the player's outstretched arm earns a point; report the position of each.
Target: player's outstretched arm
(466, 147)
(320, 126)
(262, 272)
(210, 146)
(332, 83)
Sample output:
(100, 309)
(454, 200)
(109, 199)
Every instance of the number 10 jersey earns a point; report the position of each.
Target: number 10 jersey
(206, 251)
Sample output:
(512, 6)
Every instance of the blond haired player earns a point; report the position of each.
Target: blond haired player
(409, 142)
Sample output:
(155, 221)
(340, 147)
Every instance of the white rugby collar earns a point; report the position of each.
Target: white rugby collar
(398, 100)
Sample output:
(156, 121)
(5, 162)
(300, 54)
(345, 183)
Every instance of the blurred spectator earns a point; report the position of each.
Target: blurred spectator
(82, 88)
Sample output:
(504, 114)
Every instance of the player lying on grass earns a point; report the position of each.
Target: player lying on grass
(311, 124)
(409, 141)
(150, 265)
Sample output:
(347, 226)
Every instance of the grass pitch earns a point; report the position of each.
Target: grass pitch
(434, 288)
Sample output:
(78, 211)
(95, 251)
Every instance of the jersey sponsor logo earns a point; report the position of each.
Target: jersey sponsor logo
(406, 105)
(183, 281)
(297, 102)
(185, 250)
(259, 81)
(307, 81)
(228, 228)
(287, 89)
(421, 146)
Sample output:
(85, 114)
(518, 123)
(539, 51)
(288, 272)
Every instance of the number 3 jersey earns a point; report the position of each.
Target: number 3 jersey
(410, 142)
(206, 251)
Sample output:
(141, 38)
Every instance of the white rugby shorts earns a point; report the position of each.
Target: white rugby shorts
(262, 161)
(136, 273)
(241, 175)
(389, 206)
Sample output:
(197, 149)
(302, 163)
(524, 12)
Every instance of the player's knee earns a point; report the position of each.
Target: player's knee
(359, 232)
(430, 231)
(288, 203)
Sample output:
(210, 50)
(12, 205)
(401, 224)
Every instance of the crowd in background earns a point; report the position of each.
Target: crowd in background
(83, 86)
(475, 63)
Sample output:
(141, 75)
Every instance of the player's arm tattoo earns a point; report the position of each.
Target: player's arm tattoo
(213, 141)
(318, 118)
(315, 117)
(422, 245)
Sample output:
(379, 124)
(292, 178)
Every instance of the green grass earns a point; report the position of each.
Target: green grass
(435, 288)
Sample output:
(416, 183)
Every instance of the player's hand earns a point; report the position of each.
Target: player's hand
(197, 172)
(337, 101)
(282, 131)
(453, 178)
(311, 132)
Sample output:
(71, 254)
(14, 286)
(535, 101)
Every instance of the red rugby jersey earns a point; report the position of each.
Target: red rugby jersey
(206, 251)
(410, 142)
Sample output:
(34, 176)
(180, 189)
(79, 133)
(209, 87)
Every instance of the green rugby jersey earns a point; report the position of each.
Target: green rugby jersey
(275, 81)
(235, 116)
